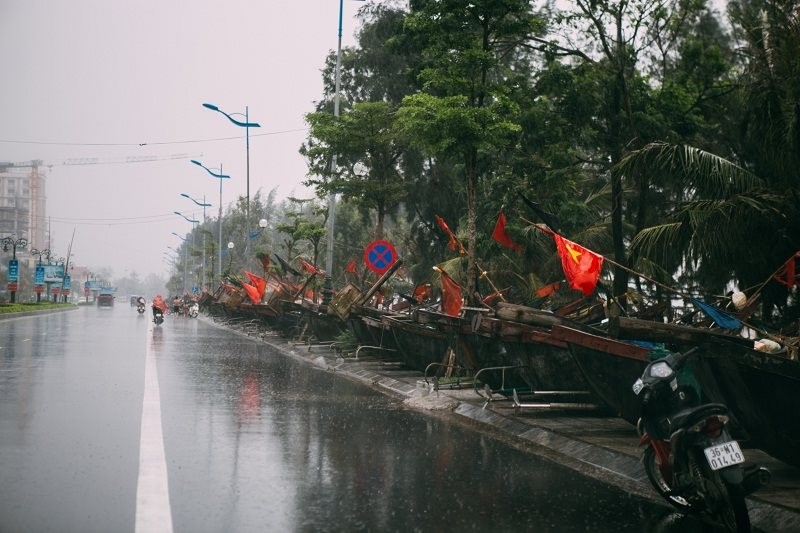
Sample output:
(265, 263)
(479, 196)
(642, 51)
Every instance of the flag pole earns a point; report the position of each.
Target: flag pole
(547, 230)
(463, 251)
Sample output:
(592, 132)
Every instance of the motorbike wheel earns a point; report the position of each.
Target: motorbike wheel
(732, 511)
(661, 485)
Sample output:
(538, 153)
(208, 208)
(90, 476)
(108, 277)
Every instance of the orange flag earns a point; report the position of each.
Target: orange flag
(258, 282)
(452, 301)
(252, 292)
(501, 235)
(351, 266)
(581, 266)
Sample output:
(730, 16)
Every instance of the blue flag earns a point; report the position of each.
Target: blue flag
(723, 319)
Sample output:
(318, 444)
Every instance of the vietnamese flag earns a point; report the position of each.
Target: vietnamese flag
(351, 266)
(452, 301)
(501, 235)
(581, 266)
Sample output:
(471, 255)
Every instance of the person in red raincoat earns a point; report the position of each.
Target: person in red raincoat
(160, 304)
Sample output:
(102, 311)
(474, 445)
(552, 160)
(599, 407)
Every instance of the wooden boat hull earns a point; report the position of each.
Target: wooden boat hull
(610, 367)
(762, 392)
(545, 362)
(367, 325)
(418, 345)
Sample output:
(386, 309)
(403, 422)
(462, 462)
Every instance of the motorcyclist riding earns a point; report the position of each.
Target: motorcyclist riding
(159, 305)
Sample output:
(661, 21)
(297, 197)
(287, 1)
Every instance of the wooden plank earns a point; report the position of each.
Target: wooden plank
(646, 330)
(602, 344)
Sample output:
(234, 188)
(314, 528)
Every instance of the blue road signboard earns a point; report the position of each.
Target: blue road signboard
(379, 256)
(13, 270)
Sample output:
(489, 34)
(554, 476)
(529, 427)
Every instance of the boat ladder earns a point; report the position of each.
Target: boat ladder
(448, 381)
(580, 406)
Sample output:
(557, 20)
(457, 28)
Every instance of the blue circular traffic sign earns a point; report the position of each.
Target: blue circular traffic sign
(379, 256)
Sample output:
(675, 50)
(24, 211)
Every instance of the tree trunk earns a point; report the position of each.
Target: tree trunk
(472, 215)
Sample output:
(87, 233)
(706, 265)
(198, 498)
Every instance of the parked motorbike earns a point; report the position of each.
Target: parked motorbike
(689, 456)
(158, 316)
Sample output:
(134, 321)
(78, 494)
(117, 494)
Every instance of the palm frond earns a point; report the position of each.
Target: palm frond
(709, 174)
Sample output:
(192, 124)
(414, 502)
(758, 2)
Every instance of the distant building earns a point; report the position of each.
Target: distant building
(23, 202)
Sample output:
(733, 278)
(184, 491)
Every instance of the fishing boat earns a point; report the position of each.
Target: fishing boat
(543, 361)
(609, 366)
(482, 357)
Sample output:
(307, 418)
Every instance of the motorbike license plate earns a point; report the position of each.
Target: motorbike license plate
(723, 455)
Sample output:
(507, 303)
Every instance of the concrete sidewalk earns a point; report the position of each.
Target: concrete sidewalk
(605, 448)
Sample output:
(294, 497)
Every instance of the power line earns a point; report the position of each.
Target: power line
(158, 143)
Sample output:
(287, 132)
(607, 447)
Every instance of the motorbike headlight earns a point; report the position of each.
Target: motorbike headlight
(660, 370)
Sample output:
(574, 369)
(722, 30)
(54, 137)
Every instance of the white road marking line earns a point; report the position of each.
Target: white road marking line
(153, 512)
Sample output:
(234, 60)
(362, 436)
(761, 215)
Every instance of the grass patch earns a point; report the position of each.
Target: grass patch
(22, 307)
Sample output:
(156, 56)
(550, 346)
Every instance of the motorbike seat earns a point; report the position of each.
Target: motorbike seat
(689, 417)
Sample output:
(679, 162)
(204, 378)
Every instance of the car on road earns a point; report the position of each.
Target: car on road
(105, 300)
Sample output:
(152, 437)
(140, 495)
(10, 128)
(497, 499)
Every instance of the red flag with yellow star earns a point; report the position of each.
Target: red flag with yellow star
(581, 266)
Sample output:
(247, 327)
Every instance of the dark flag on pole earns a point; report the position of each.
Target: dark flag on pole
(287, 268)
(548, 218)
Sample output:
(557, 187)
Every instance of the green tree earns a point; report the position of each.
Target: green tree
(465, 115)
(368, 151)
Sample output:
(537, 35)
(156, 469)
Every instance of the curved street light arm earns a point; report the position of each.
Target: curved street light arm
(193, 221)
(212, 107)
(195, 201)
(198, 163)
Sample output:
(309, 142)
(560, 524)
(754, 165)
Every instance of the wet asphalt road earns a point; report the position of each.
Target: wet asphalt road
(111, 424)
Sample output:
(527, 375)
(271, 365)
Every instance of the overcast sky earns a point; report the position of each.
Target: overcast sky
(99, 78)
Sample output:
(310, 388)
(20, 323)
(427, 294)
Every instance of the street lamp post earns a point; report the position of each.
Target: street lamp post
(246, 125)
(185, 248)
(327, 291)
(230, 254)
(202, 204)
(13, 264)
(219, 176)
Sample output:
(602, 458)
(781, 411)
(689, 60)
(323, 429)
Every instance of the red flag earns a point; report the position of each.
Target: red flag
(252, 292)
(258, 282)
(422, 292)
(547, 290)
(453, 244)
(308, 267)
(581, 266)
(351, 266)
(495, 295)
(452, 301)
(501, 235)
(786, 276)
